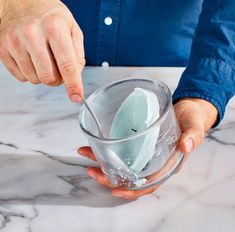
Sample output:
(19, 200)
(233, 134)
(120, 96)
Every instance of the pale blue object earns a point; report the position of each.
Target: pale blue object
(138, 111)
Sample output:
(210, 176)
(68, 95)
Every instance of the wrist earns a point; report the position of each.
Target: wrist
(208, 111)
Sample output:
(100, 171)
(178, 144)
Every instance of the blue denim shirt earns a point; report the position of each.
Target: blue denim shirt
(194, 33)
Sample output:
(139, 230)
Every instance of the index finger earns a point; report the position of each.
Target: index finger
(61, 44)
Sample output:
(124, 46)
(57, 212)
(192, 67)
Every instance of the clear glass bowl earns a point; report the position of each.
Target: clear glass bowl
(105, 102)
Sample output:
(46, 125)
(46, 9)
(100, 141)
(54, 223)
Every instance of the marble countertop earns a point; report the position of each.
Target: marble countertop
(44, 186)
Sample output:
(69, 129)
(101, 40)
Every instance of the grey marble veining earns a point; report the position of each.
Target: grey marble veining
(44, 186)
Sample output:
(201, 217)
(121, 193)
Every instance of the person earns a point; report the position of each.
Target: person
(43, 42)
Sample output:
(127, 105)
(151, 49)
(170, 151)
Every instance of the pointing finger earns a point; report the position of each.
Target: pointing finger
(61, 44)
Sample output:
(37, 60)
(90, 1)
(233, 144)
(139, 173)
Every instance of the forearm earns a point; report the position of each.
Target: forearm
(210, 73)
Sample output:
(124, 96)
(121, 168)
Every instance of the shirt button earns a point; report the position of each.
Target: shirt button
(108, 21)
(105, 64)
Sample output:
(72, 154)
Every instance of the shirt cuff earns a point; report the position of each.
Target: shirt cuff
(209, 79)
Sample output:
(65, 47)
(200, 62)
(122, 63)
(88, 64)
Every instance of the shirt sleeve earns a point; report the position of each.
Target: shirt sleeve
(210, 73)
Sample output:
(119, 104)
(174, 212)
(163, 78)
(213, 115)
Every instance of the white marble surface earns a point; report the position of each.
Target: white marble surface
(44, 188)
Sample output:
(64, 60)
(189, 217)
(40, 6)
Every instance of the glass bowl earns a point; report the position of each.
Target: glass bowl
(112, 153)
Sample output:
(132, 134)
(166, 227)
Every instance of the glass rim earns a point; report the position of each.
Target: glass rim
(140, 133)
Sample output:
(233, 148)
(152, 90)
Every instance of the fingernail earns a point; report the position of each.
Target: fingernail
(189, 145)
(76, 98)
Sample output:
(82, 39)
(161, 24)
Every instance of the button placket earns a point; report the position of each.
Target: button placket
(108, 32)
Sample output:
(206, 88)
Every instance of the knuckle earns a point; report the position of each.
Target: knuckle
(47, 77)
(28, 29)
(72, 88)
(50, 19)
(40, 55)
(20, 79)
(50, 79)
(82, 62)
(23, 80)
(26, 68)
(13, 40)
(35, 81)
(56, 83)
(42, 60)
(80, 34)
(51, 24)
(68, 68)
(77, 33)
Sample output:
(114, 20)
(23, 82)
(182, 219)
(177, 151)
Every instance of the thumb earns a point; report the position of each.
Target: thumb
(195, 117)
(192, 124)
(191, 138)
(192, 134)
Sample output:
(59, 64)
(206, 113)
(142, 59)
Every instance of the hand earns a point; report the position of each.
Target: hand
(41, 42)
(195, 117)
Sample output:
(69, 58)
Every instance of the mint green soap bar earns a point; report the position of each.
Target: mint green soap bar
(137, 112)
